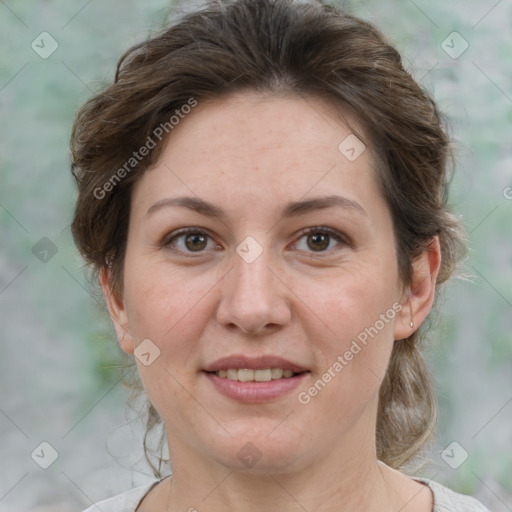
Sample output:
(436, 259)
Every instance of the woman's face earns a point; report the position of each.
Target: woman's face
(249, 281)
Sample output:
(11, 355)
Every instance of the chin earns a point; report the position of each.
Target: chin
(261, 452)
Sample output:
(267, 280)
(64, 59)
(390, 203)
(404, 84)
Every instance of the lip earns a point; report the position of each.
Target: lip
(255, 392)
(238, 361)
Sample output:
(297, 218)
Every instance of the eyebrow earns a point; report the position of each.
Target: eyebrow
(292, 209)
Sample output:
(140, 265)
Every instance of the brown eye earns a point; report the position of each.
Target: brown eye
(187, 240)
(195, 242)
(320, 239)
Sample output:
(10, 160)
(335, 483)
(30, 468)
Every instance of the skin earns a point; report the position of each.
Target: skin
(250, 154)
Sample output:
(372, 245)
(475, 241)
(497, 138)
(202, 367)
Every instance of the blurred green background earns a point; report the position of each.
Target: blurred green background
(58, 377)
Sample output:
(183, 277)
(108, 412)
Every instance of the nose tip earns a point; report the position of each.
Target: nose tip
(252, 297)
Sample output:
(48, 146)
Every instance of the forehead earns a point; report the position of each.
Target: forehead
(247, 122)
(261, 146)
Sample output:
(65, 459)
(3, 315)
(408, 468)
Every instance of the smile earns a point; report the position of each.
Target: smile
(248, 375)
(252, 391)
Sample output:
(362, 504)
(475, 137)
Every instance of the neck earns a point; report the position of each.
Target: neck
(326, 487)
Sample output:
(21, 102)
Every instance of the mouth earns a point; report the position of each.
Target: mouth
(241, 385)
(253, 380)
(256, 375)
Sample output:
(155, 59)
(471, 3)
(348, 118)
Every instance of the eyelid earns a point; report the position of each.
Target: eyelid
(340, 237)
(167, 239)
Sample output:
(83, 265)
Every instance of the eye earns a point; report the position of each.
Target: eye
(319, 238)
(193, 240)
(190, 240)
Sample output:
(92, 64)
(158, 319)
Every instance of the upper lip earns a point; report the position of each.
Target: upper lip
(253, 363)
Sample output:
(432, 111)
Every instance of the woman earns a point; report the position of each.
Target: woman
(262, 192)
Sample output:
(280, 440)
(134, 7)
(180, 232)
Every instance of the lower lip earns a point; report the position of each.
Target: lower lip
(255, 392)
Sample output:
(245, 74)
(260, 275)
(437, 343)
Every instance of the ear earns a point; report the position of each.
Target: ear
(418, 301)
(117, 312)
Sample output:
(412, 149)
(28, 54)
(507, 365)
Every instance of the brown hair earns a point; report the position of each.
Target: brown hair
(304, 48)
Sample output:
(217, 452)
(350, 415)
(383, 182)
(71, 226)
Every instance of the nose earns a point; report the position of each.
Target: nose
(254, 297)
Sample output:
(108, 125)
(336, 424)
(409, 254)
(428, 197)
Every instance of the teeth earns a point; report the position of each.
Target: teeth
(276, 373)
(246, 375)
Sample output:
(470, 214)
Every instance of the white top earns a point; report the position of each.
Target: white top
(445, 500)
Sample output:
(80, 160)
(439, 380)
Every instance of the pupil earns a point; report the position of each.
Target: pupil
(323, 237)
(195, 238)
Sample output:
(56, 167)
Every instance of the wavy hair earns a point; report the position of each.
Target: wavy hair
(304, 48)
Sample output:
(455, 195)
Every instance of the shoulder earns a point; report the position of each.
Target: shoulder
(125, 502)
(446, 500)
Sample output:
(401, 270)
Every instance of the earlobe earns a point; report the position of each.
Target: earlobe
(420, 298)
(117, 311)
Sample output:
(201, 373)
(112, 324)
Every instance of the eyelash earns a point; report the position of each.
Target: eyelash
(339, 237)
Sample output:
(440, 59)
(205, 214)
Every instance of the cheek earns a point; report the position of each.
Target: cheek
(162, 302)
(354, 337)
(351, 300)
(162, 307)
